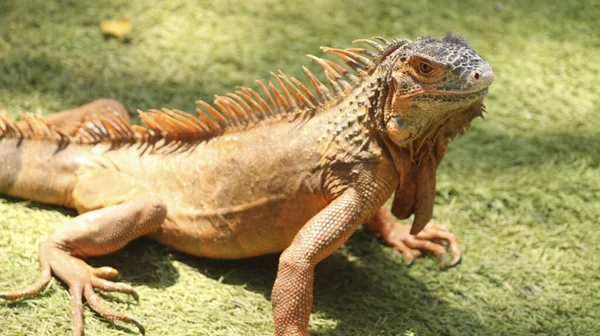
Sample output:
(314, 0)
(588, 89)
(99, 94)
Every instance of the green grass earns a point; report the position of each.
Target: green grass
(522, 190)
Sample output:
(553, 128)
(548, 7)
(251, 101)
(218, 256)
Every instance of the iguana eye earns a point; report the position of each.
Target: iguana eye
(425, 69)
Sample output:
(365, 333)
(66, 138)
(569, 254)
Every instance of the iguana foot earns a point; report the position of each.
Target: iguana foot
(94, 233)
(82, 280)
(431, 240)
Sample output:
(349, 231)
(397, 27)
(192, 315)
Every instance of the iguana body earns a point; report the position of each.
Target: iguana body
(292, 171)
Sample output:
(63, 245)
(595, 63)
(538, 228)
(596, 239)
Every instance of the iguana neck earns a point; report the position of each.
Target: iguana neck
(351, 134)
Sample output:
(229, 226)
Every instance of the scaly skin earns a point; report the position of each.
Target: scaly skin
(293, 173)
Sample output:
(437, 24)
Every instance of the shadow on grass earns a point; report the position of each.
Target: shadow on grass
(142, 262)
(360, 296)
(374, 290)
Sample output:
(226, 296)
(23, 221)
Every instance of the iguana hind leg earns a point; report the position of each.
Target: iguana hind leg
(69, 121)
(428, 240)
(94, 233)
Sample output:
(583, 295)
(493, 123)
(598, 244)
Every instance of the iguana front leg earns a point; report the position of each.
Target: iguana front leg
(322, 235)
(94, 233)
(398, 236)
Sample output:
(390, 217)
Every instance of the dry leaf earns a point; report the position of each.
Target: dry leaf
(118, 28)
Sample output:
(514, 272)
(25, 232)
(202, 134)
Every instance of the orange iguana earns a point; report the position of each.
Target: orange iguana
(291, 170)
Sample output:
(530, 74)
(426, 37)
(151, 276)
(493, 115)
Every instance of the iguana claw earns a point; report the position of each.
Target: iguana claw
(445, 264)
(412, 246)
(431, 240)
(139, 326)
(82, 280)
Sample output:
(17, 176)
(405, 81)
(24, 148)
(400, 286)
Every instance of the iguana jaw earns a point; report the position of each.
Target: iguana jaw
(465, 94)
(412, 123)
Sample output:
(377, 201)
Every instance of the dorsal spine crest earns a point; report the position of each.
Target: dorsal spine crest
(229, 113)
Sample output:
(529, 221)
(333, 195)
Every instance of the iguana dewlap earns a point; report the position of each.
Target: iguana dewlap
(289, 170)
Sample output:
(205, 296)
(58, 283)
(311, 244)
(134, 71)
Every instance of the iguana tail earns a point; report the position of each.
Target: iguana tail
(32, 167)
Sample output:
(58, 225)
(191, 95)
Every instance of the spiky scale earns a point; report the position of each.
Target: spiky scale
(196, 128)
(282, 104)
(261, 101)
(148, 120)
(84, 136)
(31, 131)
(371, 43)
(184, 124)
(363, 51)
(320, 88)
(123, 125)
(382, 39)
(257, 109)
(357, 62)
(162, 125)
(141, 132)
(213, 113)
(180, 129)
(330, 79)
(359, 68)
(299, 96)
(273, 105)
(349, 55)
(236, 109)
(314, 101)
(213, 127)
(331, 74)
(343, 71)
(166, 121)
(195, 121)
(96, 130)
(293, 104)
(334, 84)
(245, 114)
(109, 124)
(222, 105)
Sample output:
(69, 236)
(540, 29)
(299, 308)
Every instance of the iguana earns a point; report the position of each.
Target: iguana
(292, 170)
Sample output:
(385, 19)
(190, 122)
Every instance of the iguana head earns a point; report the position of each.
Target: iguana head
(430, 81)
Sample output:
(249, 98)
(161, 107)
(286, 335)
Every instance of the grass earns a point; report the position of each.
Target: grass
(522, 190)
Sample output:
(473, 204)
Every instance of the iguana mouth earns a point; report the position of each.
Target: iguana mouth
(459, 93)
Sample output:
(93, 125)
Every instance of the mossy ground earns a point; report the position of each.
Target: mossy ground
(522, 190)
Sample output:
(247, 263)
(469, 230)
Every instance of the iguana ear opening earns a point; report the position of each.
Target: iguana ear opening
(398, 131)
